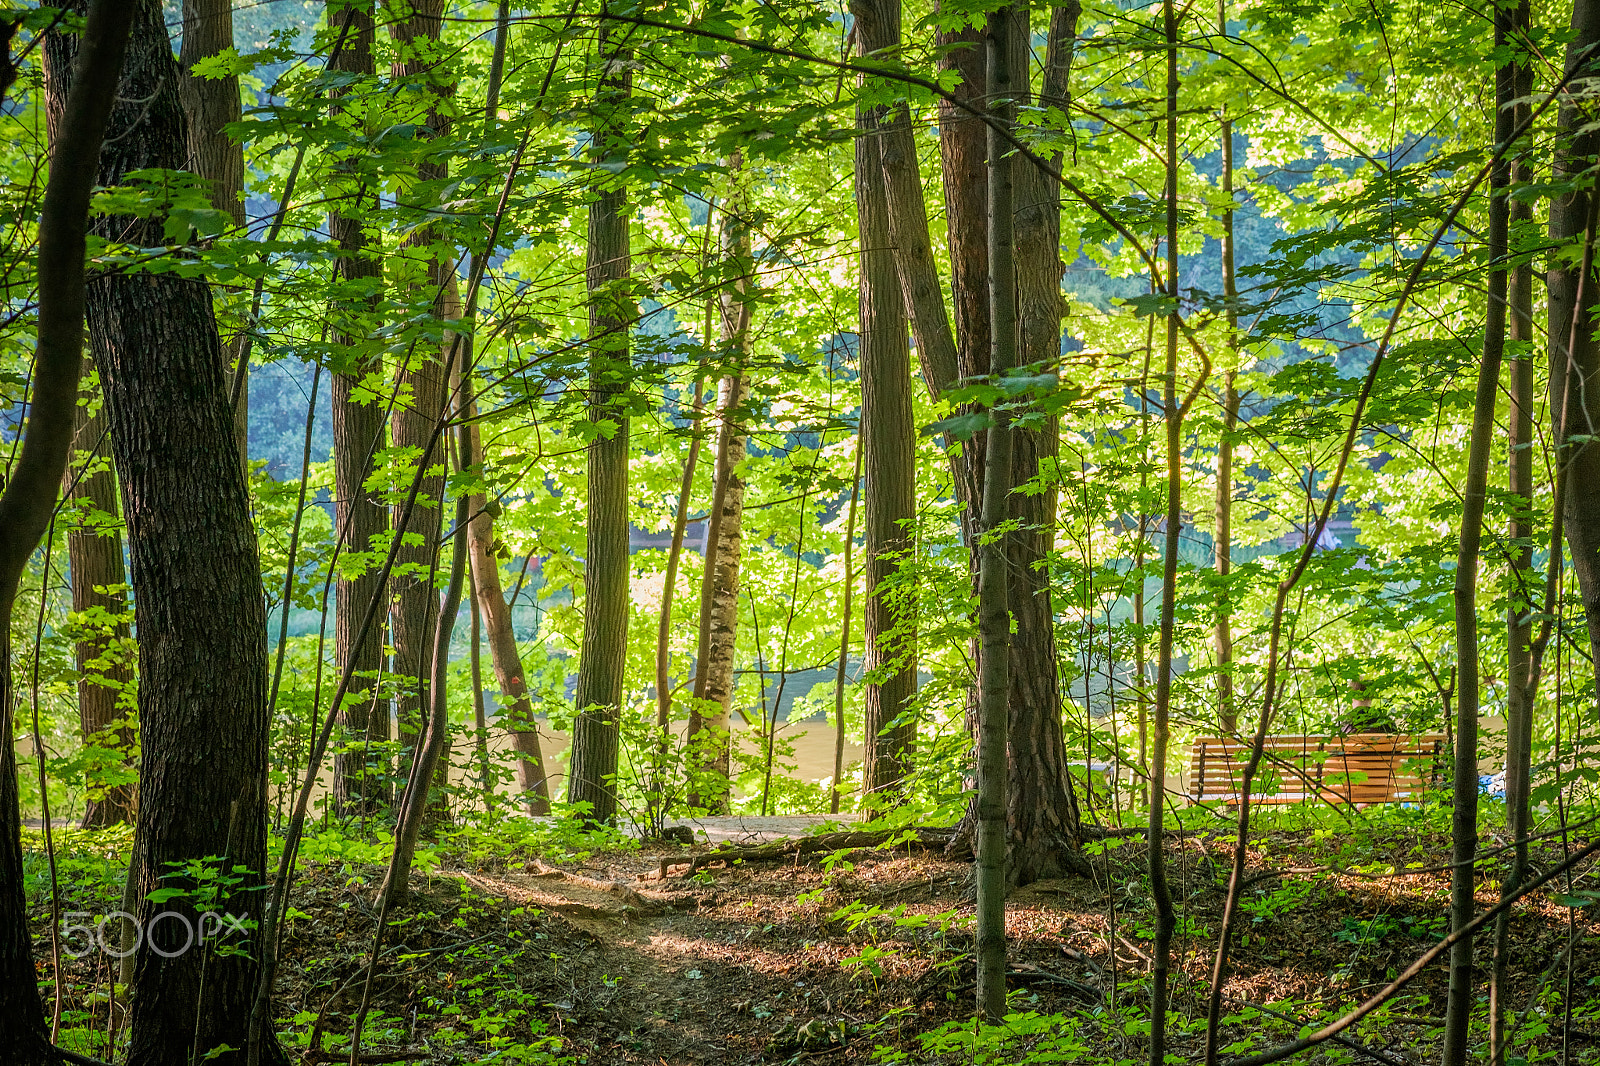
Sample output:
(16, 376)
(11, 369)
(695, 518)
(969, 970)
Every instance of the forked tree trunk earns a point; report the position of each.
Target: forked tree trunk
(202, 686)
(211, 105)
(709, 726)
(888, 443)
(100, 602)
(79, 118)
(360, 775)
(595, 731)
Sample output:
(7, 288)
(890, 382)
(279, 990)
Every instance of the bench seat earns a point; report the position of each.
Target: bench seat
(1360, 768)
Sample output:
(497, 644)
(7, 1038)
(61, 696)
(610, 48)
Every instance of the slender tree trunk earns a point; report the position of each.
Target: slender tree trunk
(514, 709)
(360, 777)
(202, 686)
(719, 578)
(846, 613)
(606, 566)
(1574, 356)
(212, 104)
(1044, 822)
(480, 713)
(888, 443)
(669, 585)
(419, 799)
(78, 123)
(1003, 60)
(1222, 553)
(1464, 822)
(1520, 443)
(99, 584)
(1161, 894)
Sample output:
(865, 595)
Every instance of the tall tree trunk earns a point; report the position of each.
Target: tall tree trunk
(415, 600)
(1517, 85)
(1464, 821)
(78, 122)
(1574, 356)
(1003, 56)
(888, 443)
(99, 581)
(1044, 824)
(514, 708)
(360, 778)
(1222, 551)
(606, 564)
(709, 734)
(202, 686)
(211, 105)
(1160, 892)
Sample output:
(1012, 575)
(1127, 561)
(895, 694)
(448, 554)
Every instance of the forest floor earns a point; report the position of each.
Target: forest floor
(863, 957)
(754, 962)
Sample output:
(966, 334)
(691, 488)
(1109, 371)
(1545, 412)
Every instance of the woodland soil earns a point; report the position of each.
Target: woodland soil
(747, 963)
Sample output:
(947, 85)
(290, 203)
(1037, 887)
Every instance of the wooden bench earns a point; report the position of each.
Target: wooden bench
(1359, 769)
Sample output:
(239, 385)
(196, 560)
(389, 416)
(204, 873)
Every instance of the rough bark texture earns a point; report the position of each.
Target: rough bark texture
(360, 778)
(99, 600)
(1575, 374)
(514, 708)
(1044, 820)
(26, 503)
(606, 565)
(724, 550)
(211, 104)
(415, 601)
(888, 440)
(202, 690)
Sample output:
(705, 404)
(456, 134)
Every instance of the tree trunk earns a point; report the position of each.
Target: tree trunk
(1003, 55)
(1222, 551)
(606, 564)
(514, 708)
(414, 598)
(717, 644)
(99, 606)
(212, 104)
(1574, 356)
(1515, 82)
(888, 443)
(1044, 823)
(202, 686)
(845, 612)
(78, 122)
(1464, 821)
(360, 778)
(1160, 892)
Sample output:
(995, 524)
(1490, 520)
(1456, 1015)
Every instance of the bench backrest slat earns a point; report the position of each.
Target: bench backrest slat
(1359, 768)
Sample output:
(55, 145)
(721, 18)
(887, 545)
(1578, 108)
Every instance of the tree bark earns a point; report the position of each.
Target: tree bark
(1002, 53)
(1222, 550)
(79, 116)
(202, 686)
(606, 566)
(514, 708)
(212, 104)
(888, 443)
(99, 606)
(360, 778)
(709, 734)
(415, 599)
(1574, 356)
(1515, 83)
(1044, 823)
